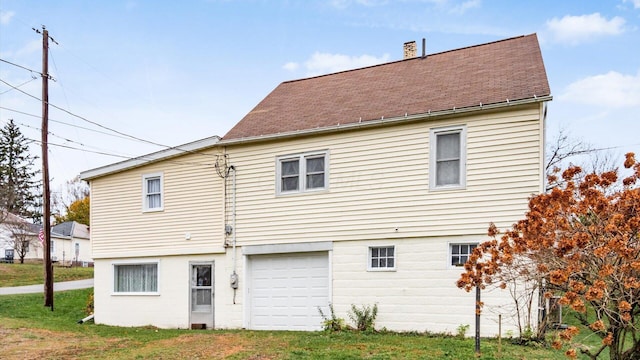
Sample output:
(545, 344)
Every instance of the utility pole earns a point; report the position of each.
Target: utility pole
(46, 193)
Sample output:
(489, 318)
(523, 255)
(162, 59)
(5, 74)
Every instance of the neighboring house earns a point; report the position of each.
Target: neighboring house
(364, 186)
(70, 243)
(16, 232)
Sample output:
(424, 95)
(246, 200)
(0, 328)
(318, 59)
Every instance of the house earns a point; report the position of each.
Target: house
(17, 237)
(70, 241)
(364, 186)
(70, 244)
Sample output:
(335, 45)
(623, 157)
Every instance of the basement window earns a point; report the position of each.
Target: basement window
(382, 258)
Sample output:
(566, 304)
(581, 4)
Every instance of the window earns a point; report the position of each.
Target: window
(135, 278)
(152, 190)
(382, 258)
(448, 158)
(460, 253)
(302, 172)
(52, 246)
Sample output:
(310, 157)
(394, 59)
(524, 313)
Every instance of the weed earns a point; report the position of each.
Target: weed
(89, 308)
(461, 330)
(365, 318)
(332, 323)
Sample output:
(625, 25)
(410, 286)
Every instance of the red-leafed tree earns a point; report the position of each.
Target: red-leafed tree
(582, 238)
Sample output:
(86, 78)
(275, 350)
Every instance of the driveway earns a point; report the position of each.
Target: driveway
(59, 286)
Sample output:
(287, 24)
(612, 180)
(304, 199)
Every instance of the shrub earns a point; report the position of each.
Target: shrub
(365, 318)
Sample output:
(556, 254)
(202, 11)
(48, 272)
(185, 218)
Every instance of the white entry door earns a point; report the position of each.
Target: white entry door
(285, 290)
(202, 293)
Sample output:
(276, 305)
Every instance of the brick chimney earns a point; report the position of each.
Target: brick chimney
(410, 50)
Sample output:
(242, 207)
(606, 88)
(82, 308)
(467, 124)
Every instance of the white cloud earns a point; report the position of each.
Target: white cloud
(462, 8)
(577, 29)
(6, 16)
(324, 63)
(291, 66)
(612, 89)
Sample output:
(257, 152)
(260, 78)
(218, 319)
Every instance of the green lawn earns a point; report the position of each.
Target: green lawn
(31, 274)
(33, 331)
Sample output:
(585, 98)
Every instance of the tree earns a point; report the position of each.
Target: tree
(77, 211)
(23, 237)
(563, 150)
(582, 237)
(20, 235)
(71, 202)
(19, 188)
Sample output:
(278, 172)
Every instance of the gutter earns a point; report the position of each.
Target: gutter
(382, 121)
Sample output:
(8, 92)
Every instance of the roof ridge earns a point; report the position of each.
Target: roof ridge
(401, 60)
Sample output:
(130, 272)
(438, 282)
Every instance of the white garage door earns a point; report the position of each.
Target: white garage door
(285, 290)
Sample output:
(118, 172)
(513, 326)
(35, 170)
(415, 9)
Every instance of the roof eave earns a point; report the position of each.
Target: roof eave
(150, 158)
(387, 121)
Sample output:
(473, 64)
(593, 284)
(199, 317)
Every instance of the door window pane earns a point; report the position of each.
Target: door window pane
(200, 297)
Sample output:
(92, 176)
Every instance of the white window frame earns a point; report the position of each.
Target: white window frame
(145, 193)
(450, 252)
(433, 143)
(135, 262)
(386, 268)
(302, 171)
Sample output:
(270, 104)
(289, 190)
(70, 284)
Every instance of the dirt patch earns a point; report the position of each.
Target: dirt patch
(203, 345)
(22, 343)
(29, 343)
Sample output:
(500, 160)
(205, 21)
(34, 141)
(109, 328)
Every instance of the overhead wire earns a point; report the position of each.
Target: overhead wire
(144, 157)
(119, 133)
(103, 151)
(103, 126)
(26, 68)
(24, 83)
(65, 123)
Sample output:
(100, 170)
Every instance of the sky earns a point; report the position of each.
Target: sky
(134, 77)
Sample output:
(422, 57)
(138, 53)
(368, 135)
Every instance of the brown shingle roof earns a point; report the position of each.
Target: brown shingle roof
(488, 74)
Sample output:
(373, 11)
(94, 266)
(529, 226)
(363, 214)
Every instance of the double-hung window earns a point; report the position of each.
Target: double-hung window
(152, 192)
(382, 258)
(302, 172)
(460, 253)
(448, 158)
(135, 278)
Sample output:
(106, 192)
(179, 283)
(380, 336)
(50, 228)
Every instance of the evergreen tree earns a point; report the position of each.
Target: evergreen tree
(20, 192)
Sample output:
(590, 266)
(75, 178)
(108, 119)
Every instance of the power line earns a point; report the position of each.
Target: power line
(26, 68)
(121, 156)
(24, 83)
(103, 152)
(87, 120)
(68, 124)
(102, 126)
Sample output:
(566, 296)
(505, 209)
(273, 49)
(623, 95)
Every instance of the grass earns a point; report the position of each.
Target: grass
(31, 274)
(32, 331)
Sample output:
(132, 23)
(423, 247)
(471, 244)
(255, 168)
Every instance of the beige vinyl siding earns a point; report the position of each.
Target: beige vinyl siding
(379, 181)
(420, 294)
(193, 204)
